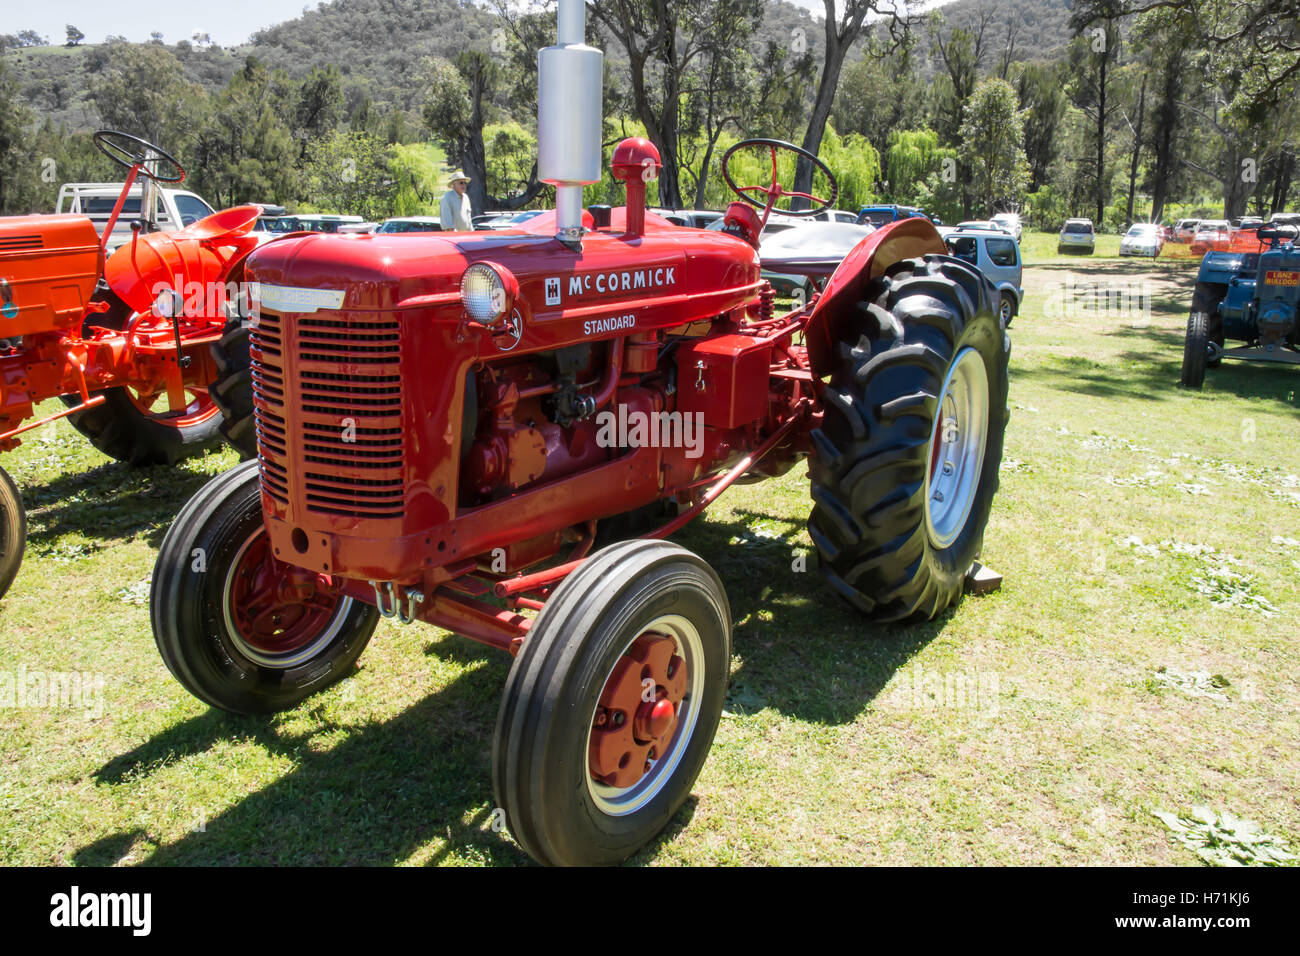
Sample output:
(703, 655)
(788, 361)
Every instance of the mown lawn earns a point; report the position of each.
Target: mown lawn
(1142, 655)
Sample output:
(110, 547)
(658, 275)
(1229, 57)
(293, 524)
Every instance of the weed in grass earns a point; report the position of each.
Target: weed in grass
(1191, 683)
(1226, 840)
(1212, 573)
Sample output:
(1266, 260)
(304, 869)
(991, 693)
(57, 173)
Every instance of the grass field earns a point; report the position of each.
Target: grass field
(1142, 656)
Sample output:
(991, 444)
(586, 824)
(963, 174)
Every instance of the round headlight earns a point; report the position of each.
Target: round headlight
(486, 293)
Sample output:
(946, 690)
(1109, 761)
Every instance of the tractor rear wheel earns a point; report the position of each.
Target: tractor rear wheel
(612, 704)
(241, 630)
(139, 428)
(1195, 349)
(13, 531)
(233, 389)
(905, 464)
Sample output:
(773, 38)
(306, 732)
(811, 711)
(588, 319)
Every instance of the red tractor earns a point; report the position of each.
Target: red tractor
(125, 339)
(445, 423)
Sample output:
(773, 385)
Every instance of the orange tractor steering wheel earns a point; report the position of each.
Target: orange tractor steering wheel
(774, 191)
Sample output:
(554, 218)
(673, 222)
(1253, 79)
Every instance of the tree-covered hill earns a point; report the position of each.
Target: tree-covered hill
(378, 47)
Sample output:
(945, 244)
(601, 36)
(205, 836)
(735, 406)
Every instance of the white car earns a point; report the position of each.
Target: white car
(1010, 222)
(986, 225)
(1076, 235)
(173, 208)
(1142, 239)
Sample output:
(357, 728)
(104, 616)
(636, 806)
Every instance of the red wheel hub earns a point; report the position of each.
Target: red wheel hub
(200, 408)
(278, 608)
(636, 715)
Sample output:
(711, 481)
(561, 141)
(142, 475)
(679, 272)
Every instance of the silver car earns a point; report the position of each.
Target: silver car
(997, 255)
(1010, 222)
(1142, 239)
(1077, 235)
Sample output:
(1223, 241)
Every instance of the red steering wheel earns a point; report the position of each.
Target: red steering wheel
(774, 191)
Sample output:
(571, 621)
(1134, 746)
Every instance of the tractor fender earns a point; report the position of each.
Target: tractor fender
(870, 258)
(204, 252)
(1220, 267)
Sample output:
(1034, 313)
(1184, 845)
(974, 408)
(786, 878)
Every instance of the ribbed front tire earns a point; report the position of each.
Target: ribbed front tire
(585, 771)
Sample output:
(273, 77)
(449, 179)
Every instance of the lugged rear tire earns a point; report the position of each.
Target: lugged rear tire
(13, 531)
(883, 546)
(233, 389)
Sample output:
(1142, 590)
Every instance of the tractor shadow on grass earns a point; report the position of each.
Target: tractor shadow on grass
(110, 502)
(374, 799)
(390, 788)
(804, 650)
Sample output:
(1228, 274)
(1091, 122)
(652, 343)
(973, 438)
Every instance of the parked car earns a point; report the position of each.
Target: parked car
(985, 225)
(1184, 230)
(511, 220)
(1212, 235)
(1010, 222)
(997, 255)
(1246, 238)
(1077, 235)
(798, 255)
(835, 215)
(410, 224)
(173, 208)
(694, 218)
(885, 214)
(1142, 239)
(273, 222)
(325, 222)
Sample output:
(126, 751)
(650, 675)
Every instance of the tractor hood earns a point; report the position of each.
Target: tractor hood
(385, 272)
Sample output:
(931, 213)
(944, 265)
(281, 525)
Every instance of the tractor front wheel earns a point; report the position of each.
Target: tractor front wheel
(905, 464)
(13, 531)
(241, 630)
(612, 704)
(1196, 349)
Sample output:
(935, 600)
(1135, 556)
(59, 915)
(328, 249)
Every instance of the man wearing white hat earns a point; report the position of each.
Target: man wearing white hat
(457, 213)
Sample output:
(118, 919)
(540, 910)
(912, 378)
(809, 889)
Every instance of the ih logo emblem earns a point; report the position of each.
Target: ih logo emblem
(553, 290)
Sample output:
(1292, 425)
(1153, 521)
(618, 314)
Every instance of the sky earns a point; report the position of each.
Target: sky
(229, 22)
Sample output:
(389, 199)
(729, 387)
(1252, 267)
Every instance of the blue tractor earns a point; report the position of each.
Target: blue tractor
(1250, 297)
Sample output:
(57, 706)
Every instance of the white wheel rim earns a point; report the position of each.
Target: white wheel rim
(618, 802)
(276, 661)
(956, 452)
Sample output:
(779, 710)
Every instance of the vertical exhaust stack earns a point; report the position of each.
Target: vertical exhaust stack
(569, 93)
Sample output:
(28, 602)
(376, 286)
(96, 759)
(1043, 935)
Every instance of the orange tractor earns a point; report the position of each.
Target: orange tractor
(124, 339)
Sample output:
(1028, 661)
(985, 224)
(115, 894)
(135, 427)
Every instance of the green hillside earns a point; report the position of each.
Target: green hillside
(379, 45)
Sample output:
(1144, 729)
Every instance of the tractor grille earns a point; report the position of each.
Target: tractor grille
(345, 429)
